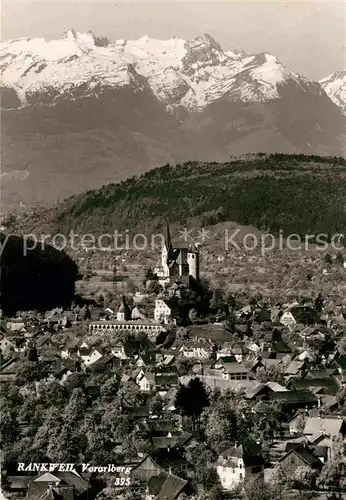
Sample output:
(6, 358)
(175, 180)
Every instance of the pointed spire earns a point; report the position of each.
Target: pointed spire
(167, 236)
(193, 247)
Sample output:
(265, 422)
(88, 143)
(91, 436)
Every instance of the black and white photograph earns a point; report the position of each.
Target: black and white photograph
(173, 250)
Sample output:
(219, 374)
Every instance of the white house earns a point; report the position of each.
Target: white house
(165, 311)
(145, 381)
(119, 351)
(196, 350)
(16, 325)
(236, 465)
(89, 356)
(288, 319)
(69, 350)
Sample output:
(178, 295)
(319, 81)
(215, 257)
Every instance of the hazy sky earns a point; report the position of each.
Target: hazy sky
(309, 37)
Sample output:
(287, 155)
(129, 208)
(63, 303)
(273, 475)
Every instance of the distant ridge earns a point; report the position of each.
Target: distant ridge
(293, 193)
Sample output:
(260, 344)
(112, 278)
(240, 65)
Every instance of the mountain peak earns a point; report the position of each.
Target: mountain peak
(335, 87)
(71, 33)
(205, 40)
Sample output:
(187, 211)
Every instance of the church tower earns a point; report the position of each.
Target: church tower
(193, 261)
(124, 313)
(167, 251)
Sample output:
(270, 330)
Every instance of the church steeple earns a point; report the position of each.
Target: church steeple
(168, 243)
(167, 236)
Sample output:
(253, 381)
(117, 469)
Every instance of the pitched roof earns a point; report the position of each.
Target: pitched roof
(276, 387)
(329, 385)
(254, 391)
(251, 455)
(166, 379)
(171, 488)
(294, 367)
(306, 454)
(295, 397)
(328, 425)
(236, 368)
(48, 477)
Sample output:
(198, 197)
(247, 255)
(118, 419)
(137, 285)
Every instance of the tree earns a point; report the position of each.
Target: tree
(109, 389)
(75, 409)
(217, 302)
(333, 474)
(304, 478)
(192, 399)
(221, 426)
(231, 323)
(182, 333)
(153, 286)
(9, 429)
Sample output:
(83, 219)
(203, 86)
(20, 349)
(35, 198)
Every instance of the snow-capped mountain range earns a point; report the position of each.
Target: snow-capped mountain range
(335, 87)
(82, 111)
(189, 74)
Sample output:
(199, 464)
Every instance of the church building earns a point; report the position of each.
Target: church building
(179, 263)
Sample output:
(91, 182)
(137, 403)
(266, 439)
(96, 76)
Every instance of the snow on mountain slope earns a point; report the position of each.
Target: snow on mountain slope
(335, 86)
(31, 65)
(191, 73)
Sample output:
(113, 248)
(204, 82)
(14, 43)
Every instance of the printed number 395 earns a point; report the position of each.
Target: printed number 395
(122, 481)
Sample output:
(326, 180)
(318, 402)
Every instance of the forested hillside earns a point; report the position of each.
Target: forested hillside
(294, 193)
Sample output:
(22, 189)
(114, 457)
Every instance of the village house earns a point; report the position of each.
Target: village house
(70, 350)
(222, 362)
(236, 371)
(47, 348)
(146, 359)
(166, 311)
(161, 485)
(119, 350)
(236, 465)
(145, 381)
(226, 350)
(240, 351)
(300, 455)
(15, 325)
(197, 349)
(159, 382)
(51, 485)
(89, 355)
(296, 369)
(287, 319)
